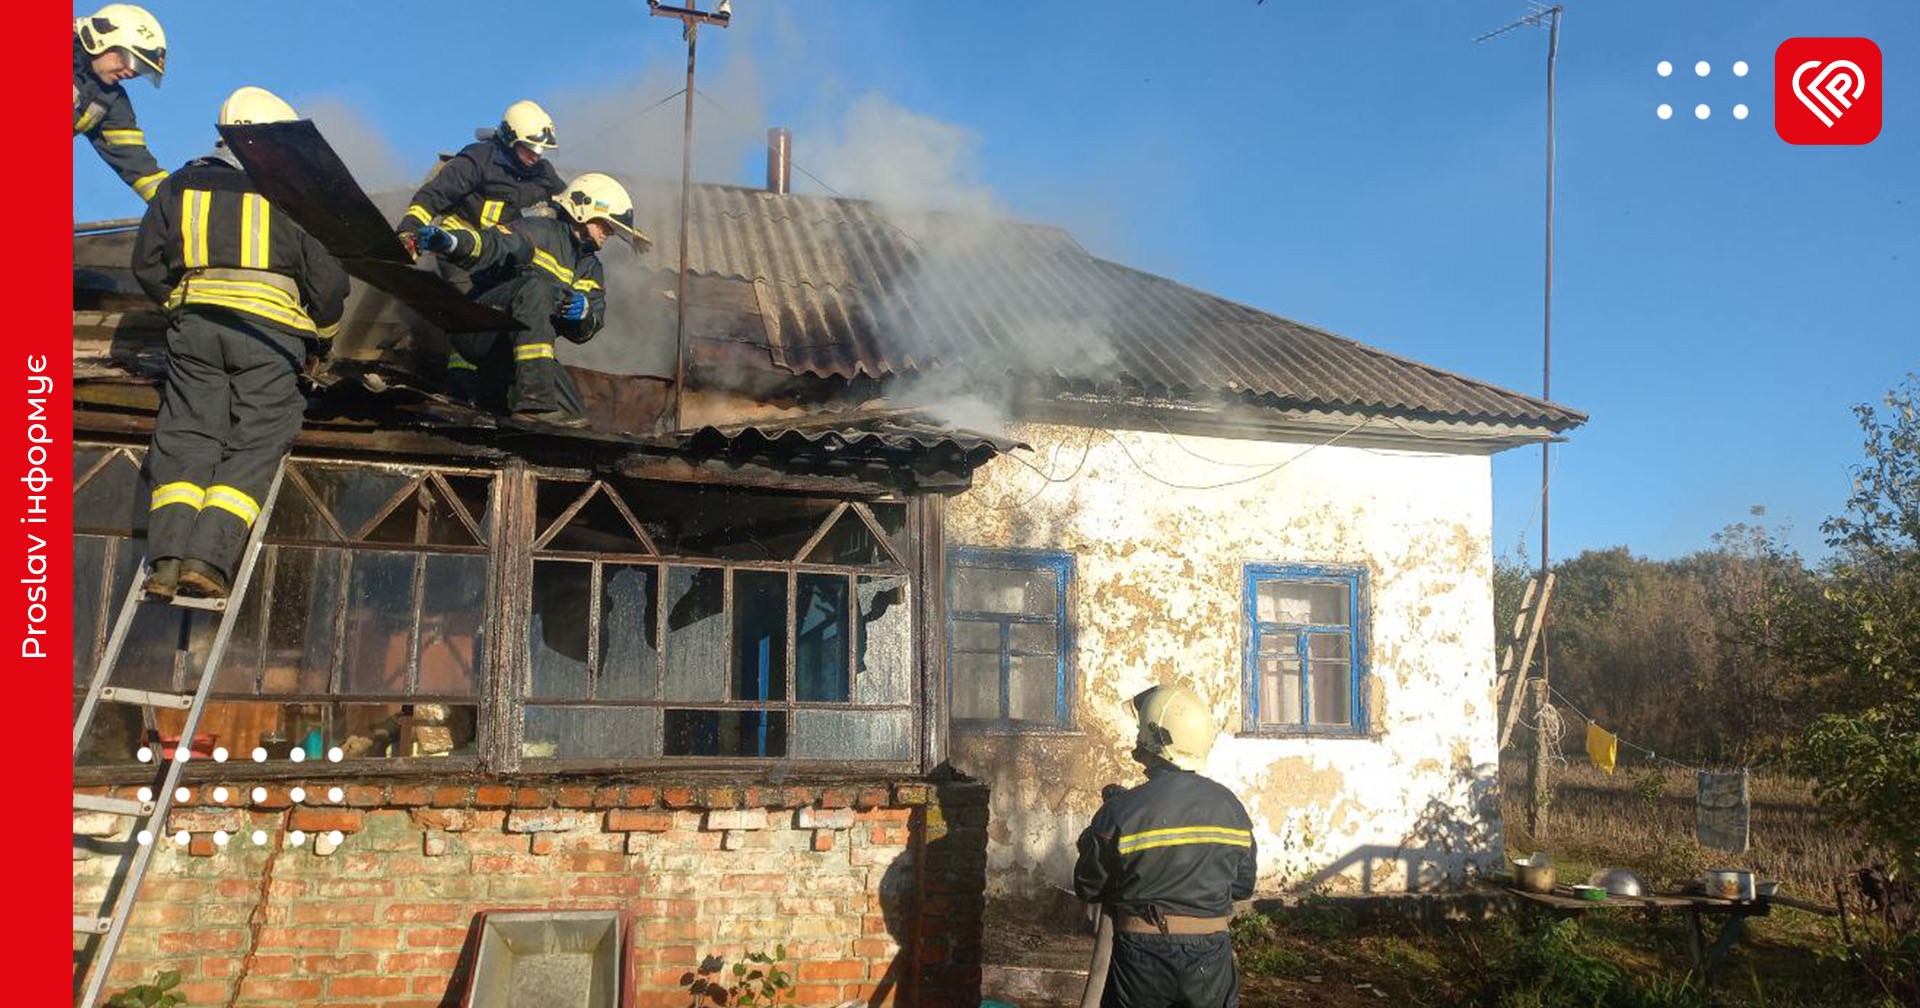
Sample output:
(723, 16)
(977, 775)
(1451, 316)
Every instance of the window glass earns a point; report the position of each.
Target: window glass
(594, 732)
(696, 633)
(886, 640)
(1301, 603)
(1305, 659)
(453, 621)
(999, 590)
(558, 669)
(754, 734)
(1007, 625)
(831, 734)
(378, 644)
(629, 632)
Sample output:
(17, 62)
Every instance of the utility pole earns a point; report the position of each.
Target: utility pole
(690, 19)
(1537, 786)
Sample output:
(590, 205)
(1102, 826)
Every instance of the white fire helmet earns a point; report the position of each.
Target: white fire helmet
(594, 196)
(255, 105)
(527, 123)
(1175, 725)
(129, 27)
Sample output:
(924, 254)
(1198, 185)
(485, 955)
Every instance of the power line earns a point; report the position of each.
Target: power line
(605, 131)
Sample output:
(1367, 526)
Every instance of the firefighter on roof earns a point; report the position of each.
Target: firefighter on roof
(491, 181)
(1166, 860)
(545, 272)
(117, 43)
(249, 295)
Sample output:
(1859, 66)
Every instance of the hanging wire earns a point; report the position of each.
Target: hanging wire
(1263, 474)
(1654, 756)
(594, 136)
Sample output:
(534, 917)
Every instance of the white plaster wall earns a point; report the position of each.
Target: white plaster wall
(1157, 598)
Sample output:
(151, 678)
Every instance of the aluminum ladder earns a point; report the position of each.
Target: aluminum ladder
(136, 856)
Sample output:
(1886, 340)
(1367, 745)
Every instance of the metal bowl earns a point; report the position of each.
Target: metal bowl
(1619, 882)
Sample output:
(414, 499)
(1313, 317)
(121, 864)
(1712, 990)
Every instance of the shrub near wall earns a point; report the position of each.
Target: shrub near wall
(874, 888)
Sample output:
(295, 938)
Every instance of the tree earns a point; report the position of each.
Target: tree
(1859, 643)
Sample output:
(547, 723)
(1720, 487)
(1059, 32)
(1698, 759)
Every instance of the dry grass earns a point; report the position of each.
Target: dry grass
(1644, 821)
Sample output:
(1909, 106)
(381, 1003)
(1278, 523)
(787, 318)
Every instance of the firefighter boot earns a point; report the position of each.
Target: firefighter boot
(163, 580)
(200, 579)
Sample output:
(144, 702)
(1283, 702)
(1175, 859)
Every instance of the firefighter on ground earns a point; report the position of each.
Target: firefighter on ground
(490, 181)
(117, 43)
(545, 272)
(249, 295)
(1166, 860)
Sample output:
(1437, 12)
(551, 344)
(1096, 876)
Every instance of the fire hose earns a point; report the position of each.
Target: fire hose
(1102, 958)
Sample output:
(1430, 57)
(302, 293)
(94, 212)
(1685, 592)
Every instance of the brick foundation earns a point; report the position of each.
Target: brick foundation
(875, 888)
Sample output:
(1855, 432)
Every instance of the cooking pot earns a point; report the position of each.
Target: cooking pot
(1535, 873)
(1729, 884)
(1619, 882)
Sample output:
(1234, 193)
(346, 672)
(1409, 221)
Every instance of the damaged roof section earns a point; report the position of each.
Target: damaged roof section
(847, 290)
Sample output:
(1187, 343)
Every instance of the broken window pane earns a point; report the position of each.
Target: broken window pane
(893, 521)
(1279, 691)
(629, 630)
(758, 734)
(849, 542)
(598, 527)
(976, 686)
(296, 516)
(475, 494)
(301, 624)
(857, 735)
(114, 500)
(886, 640)
(600, 732)
(759, 635)
(552, 498)
(453, 620)
(820, 638)
(999, 590)
(725, 523)
(353, 494)
(376, 652)
(1033, 689)
(696, 634)
(558, 630)
(1300, 602)
(239, 670)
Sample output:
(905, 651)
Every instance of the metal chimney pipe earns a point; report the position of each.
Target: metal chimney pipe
(779, 159)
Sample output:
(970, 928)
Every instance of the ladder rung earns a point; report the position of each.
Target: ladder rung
(190, 602)
(146, 698)
(91, 925)
(112, 806)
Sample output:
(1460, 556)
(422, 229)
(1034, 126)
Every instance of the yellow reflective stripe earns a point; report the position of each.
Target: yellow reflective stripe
(584, 284)
(290, 319)
(419, 212)
(547, 262)
(455, 362)
(89, 118)
(1181, 841)
(260, 299)
(146, 184)
(237, 288)
(327, 331)
(452, 223)
(124, 137)
(255, 225)
(532, 351)
(1149, 839)
(233, 501)
(177, 493)
(195, 207)
(490, 212)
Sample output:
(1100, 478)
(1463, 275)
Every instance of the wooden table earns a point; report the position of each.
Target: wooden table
(1563, 902)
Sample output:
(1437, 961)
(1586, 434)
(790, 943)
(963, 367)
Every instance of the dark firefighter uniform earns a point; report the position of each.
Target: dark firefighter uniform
(1167, 859)
(526, 268)
(483, 185)
(248, 293)
(104, 113)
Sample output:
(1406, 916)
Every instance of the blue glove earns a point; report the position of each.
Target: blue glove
(432, 239)
(573, 306)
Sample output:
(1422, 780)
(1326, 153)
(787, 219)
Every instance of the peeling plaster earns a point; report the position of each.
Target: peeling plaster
(1157, 598)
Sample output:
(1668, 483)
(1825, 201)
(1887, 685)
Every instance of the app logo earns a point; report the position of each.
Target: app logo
(1826, 90)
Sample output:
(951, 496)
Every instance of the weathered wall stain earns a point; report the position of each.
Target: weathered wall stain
(1157, 598)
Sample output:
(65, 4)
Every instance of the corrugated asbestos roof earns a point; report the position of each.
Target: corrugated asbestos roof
(848, 290)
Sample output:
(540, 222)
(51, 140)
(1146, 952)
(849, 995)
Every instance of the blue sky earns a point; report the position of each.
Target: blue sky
(1722, 298)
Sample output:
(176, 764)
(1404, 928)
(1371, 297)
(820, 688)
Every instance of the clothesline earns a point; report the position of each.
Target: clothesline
(1677, 765)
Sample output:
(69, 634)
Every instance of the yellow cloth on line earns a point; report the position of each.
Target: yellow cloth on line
(1602, 747)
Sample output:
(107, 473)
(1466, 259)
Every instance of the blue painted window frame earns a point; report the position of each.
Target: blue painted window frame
(1061, 564)
(1354, 579)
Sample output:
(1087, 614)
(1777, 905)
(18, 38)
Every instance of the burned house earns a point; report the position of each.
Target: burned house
(814, 651)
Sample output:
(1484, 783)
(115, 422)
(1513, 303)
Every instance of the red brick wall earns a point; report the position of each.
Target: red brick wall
(875, 888)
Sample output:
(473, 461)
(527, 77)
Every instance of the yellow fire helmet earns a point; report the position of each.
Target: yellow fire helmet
(1175, 725)
(595, 196)
(255, 105)
(128, 27)
(527, 123)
